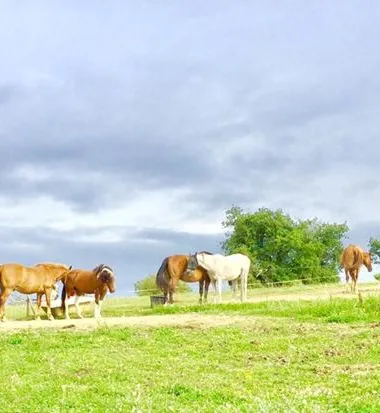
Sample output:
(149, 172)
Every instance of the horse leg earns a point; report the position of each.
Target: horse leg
(200, 290)
(215, 291)
(234, 288)
(243, 280)
(5, 293)
(207, 284)
(220, 285)
(172, 288)
(101, 298)
(77, 307)
(347, 279)
(356, 272)
(352, 275)
(97, 309)
(68, 293)
(165, 297)
(39, 299)
(48, 303)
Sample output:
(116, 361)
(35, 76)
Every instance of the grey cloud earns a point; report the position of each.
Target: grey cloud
(144, 93)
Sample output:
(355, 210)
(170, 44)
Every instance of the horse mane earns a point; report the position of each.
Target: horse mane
(204, 252)
(49, 265)
(100, 267)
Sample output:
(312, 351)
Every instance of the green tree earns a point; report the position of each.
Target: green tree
(283, 249)
(147, 286)
(374, 249)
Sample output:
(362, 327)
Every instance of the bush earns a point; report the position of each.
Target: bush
(377, 276)
(147, 286)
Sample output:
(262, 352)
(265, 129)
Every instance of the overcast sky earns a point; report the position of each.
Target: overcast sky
(128, 128)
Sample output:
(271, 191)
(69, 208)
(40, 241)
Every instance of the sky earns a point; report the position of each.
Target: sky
(127, 129)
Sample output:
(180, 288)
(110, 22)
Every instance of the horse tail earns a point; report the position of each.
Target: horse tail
(357, 257)
(162, 280)
(63, 297)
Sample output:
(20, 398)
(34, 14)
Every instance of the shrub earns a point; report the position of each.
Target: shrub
(147, 286)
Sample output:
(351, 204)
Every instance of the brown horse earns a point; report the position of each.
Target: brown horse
(173, 269)
(80, 282)
(352, 258)
(39, 279)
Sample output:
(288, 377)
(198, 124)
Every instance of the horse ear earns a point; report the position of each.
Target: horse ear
(98, 269)
(70, 268)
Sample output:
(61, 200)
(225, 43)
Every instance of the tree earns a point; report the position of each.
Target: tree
(147, 286)
(374, 249)
(282, 248)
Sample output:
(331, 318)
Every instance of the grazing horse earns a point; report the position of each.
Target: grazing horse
(173, 269)
(39, 279)
(352, 258)
(80, 282)
(220, 267)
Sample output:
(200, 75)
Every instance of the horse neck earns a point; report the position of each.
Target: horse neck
(206, 261)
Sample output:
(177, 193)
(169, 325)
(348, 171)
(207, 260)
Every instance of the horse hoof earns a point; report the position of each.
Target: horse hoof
(38, 318)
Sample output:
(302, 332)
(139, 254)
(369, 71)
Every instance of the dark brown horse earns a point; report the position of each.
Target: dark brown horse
(173, 269)
(80, 282)
(352, 258)
(39, 279)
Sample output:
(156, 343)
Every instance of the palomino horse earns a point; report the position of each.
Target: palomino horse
(173, 269)
(220, 267)
(352, 258)
(80, 282)
(39, 279)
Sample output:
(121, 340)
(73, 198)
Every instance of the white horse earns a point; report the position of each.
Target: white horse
(220, 267)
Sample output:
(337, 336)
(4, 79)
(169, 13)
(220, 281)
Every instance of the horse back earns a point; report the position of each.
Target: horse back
(83, 281)
(352, 257)
(176, 265)
(24, 279)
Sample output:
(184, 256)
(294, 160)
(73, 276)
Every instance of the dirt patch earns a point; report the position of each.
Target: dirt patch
(170, 320)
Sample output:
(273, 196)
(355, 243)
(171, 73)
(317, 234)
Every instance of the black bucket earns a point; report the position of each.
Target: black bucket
(157, 300)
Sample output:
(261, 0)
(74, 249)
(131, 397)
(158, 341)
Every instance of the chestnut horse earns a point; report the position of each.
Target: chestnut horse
(80, 282)
(352, 258)
(39, 279)
(173, 269)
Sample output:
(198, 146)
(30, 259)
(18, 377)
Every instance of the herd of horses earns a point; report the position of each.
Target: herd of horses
(42, 278)
(205, 267)
(202, 267)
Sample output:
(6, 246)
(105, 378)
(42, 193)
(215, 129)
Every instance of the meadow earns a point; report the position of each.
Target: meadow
(276, 353)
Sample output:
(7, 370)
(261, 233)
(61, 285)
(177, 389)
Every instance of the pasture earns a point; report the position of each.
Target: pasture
(289, 349)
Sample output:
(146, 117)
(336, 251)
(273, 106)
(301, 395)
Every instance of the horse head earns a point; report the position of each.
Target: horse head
(367, 260)
(192, 263)
(105, 274)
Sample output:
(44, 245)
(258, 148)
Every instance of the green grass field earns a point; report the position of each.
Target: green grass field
(317, 355)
